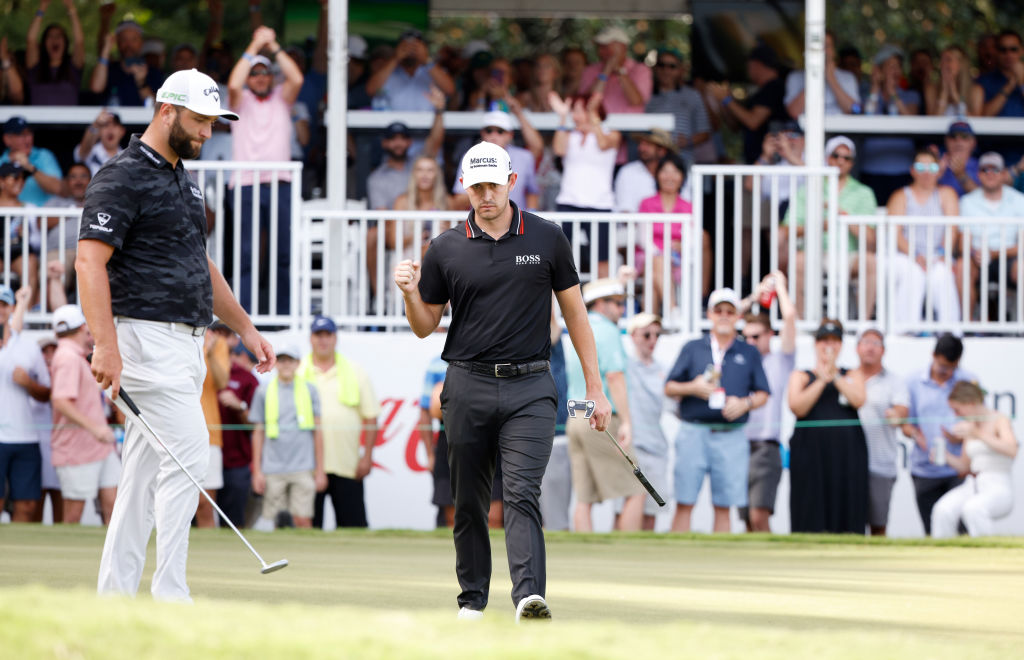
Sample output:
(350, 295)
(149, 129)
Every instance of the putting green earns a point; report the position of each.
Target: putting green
(392, 595)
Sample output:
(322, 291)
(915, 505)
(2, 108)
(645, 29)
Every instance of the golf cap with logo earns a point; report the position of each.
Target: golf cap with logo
(260, 60)
(641, 321)
(11, 169)
(959, 126)
(6, 295)
(67, 318)
(840, 141)
(323, 324)
(485, 162)
(606, 287)
(396, 128)
(724, 295)
(196, 91)
(829, 329)
(498, 119)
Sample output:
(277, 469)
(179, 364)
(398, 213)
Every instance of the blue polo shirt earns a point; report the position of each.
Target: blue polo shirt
(44, 161)
(949, 179)
(611, 357)
(742, 374)
(929, 406)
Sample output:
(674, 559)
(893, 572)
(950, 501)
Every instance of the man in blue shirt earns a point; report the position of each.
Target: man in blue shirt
(404, 81)
(40, 165)
(930, 417)
(959, 166)
(717, 381)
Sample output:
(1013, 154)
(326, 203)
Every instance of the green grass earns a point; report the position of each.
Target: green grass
(392, 595)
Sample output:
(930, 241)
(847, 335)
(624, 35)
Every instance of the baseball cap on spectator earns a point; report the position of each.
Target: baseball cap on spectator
(887, 51)
(765, 55)
(11, 169)
(284, 346)
(723, 295)
(48, 340)
(67, 318)
(356, 47)
(611, 35)
(498, 119)
(412, 34)
(485, 162)
(991, 159)
(396, 128)
(15, 125)
(127, 25)
(641, 321)
(829, 328)
(475, 46)
(323, 324)
(260, 59)
(196, 91)
(657, 136)
(792, 126)
(839, 141)
(606, 287)
(958, 127)
(6, 295)
(674, 52)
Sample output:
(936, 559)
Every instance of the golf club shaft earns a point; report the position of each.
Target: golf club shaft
(636, 471)
(127, 400)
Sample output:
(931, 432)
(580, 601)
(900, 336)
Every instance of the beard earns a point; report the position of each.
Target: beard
(181, 142)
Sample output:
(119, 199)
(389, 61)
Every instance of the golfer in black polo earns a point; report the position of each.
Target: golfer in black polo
(148, 290)
(498, 403)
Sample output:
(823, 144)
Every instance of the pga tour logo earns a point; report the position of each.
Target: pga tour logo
(526, 259)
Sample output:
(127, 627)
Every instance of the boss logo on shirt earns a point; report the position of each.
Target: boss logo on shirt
(526, 259)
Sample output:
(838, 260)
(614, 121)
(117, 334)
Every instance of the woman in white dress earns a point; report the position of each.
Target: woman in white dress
(989, 447)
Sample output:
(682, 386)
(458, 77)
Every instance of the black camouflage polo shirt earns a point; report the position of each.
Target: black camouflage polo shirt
(500, 290)
(155, 218)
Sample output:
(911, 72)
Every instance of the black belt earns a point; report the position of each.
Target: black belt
(503, 369)
(715, 427)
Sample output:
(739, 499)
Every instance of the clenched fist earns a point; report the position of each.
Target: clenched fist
(407, 276)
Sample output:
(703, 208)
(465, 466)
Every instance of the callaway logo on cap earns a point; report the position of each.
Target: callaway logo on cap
(193, 90)
(486, 162)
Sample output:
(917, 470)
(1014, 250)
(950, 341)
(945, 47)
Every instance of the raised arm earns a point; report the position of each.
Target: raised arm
(292, 73)
(32, 36)
(77, 36)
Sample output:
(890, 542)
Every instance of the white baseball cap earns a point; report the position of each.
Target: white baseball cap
(499, 119)
(67, 318)
(724, 295)
(641, 321)
(485, 162)
(612, 34)
(193, 90)
(356, 47)
(606, 287)
(285, 345)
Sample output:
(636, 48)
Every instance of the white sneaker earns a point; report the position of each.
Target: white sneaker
(466, 614)
(533, 607)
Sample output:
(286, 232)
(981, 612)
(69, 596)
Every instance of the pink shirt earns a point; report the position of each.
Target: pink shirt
(653, 205)
(262, 133)
(72, 379)
(614, 97)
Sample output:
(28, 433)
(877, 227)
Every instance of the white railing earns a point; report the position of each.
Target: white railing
(43, 244)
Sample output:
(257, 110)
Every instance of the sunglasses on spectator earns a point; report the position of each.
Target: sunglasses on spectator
(927, 167)
(839, 156)
(667, 65)
(1009, 49)
(495, 129)
(991, 169)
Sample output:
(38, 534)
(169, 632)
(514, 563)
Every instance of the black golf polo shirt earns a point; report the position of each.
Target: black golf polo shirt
(500, 290)
(154, 216)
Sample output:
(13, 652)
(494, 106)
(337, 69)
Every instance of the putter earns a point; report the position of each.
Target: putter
(587, 407)
(122, 397)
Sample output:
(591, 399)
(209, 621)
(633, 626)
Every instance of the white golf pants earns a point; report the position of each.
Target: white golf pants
(163, 373)
(979, 501)
(911, 287)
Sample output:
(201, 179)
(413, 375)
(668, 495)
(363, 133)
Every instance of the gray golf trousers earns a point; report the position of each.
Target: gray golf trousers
(488, 419)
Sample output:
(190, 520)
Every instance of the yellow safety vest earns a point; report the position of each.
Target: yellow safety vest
(303, 407)
(348, 382)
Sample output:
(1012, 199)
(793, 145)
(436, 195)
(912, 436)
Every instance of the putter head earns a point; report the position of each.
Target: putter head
(587, 407)
(276, 566)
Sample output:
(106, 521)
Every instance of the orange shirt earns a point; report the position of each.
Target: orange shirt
(211, 409)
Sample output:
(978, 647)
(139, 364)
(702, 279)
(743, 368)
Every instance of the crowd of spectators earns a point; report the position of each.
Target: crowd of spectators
(280, 93)
(281, 443)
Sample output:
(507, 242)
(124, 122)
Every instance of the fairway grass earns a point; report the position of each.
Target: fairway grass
(392, 595)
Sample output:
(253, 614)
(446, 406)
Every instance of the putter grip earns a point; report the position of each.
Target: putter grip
(121, 394)
(650, 489)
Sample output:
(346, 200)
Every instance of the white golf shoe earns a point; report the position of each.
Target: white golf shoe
(466, 614)
(533, 607)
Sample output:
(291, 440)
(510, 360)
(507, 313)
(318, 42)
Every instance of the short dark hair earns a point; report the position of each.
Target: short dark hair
(949, 347)
(671, 158)
(1010, 33)
(761, 318)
